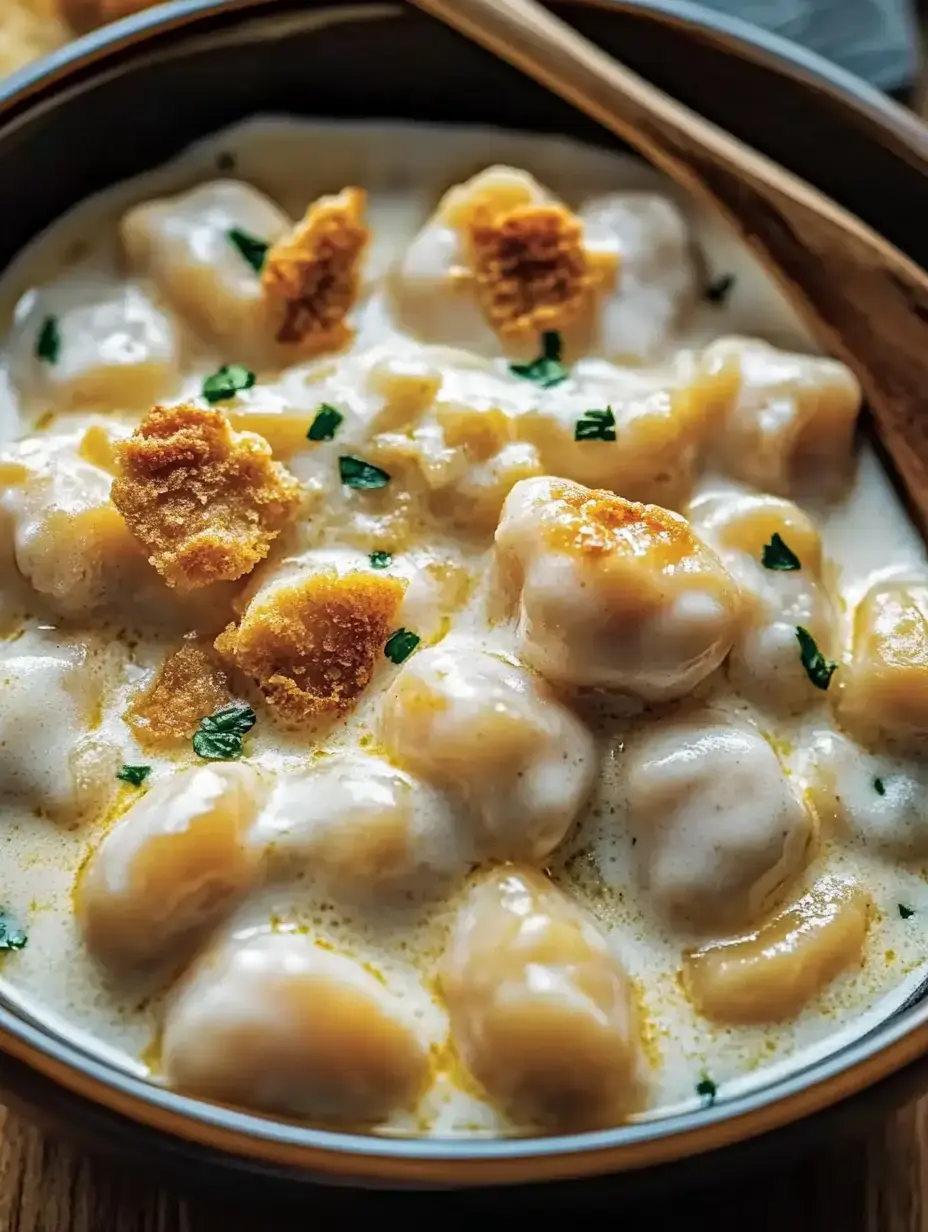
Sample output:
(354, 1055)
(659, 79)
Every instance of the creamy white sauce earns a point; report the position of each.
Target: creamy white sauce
(404, 169)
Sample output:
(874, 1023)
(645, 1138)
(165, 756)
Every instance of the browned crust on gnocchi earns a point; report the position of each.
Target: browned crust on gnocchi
(598, 522)
(311, 277)
(205, 502)
(190, 684)
(311, 646)
(530, 268)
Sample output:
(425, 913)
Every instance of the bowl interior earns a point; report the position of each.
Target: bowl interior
(150, 86)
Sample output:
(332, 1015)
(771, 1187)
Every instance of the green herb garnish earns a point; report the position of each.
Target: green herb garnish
(547, 370)
(595, 425)
(400, 645)
(381, 560)
(719, 289)
(776, 555)
(706, 1089)
(819, 669)
(326, 423)
(879, 787)
(906, 912)
(136, 775)
(252, 249)
(220, 734)
(12, 934)
(230, 380)
(356, 473)
(48, 343)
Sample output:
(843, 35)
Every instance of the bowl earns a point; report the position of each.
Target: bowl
(130, 97)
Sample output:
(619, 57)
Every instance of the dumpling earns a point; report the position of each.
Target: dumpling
(772, 974)
(542, 1013)
(177, 862)
(774, 553)
(880, 799)
(443, 288)
(612, 594)
(69, 541)
(639, 434)
(790, 427)
(502, 261)
(657, 280)
(721, 832)
(195, 247)
(97, 346)
(51, 759)
(361, 825)
(488, 728)
(274, 1022)
(883, 690)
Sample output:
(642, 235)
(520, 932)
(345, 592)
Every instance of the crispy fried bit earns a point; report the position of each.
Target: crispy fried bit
(311, 276)
(311, 645)
(189, 686)
(205, 502)
(595, 522)
(531, 270)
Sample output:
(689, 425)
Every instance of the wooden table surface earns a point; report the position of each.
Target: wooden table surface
(876, 1184)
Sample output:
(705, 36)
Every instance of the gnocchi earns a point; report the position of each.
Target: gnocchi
(542, 1013)
(611, 594)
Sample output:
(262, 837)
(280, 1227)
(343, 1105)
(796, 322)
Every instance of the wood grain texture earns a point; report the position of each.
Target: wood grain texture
(875, 1185)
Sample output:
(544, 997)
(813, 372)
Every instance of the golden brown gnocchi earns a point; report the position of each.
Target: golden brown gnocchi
(274, 1021)
(176, 863)
(542, 1013)
(612, 594)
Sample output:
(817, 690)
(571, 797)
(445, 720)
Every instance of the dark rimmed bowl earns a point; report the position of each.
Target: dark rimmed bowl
(121, 101)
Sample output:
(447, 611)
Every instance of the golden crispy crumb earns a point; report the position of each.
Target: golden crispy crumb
(311, 645)
(595, 522)
(205, 502)
(311, 276)
(189, 686)
(531, 270)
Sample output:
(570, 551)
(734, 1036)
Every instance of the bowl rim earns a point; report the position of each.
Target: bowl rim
(887, 1048)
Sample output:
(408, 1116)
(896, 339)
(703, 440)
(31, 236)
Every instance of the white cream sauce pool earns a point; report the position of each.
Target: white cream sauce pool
(865, 534)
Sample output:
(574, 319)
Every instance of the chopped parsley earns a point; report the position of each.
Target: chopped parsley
(252, 249)
(225, 161)
(595, 425)
(356, 473)
(776, 555)
(879, 787)
(12, 934)
(400, 645)
(220, 735)
(230, 380)
(48, 343)
(547, 370)
(136, 775)
(819, 669)
(906, 912)
(326, 423)
(706, 1089)
(719, 289)
(381, 560)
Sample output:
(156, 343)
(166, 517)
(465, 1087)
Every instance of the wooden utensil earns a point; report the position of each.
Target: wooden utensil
(863, 299)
